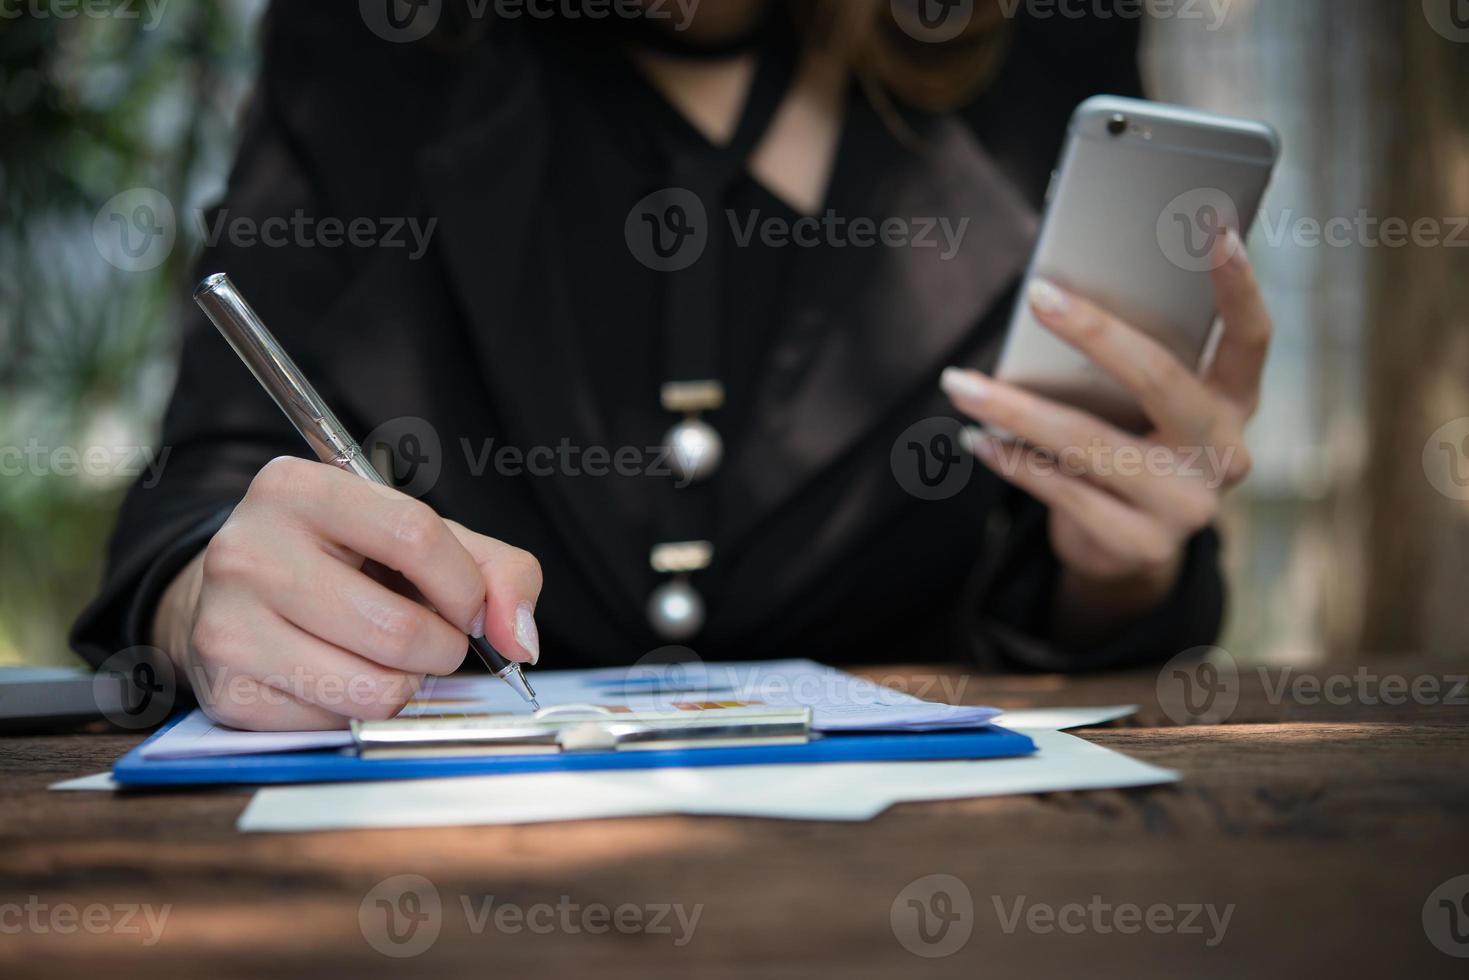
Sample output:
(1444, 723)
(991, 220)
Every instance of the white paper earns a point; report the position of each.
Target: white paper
(1061, 763)
(197, 737)
(98, 782)
(542, 797)
(1061, 719)
(836, 791)
(839, 701)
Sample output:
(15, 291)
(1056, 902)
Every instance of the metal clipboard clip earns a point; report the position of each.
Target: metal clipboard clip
(581, 728)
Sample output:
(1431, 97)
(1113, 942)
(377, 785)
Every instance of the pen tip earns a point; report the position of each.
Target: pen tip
(535, 705)
(209, 283)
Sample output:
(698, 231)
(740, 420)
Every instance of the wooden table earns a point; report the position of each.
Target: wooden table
(1320, 825)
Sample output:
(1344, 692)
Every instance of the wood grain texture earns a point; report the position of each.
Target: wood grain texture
(1322, 827)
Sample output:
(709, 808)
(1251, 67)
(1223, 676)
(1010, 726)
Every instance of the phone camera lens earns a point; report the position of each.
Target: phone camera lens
(1117, 125)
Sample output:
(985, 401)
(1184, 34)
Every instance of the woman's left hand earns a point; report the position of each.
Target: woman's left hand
(1123, 507)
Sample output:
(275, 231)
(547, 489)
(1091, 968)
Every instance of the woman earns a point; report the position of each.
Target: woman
(566, 319)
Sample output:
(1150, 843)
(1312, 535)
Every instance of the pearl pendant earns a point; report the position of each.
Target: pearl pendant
(697, 450)
(676, 611)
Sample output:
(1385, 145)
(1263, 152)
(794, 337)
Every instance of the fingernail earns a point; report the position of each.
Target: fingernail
(1234, 247)
(958, 383)
(526, 633)
(477, 625)
(1047, 298)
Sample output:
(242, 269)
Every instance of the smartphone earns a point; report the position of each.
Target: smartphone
(1141, 197)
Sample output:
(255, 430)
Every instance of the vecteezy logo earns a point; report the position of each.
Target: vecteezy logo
(135, 230)
(1192, 226)
(135, 688)
(928, 459)
(1446, 459)
(401, 21)
(668, 230)
(669, 676)
(1446, 917)
(407, 451)
(1450, 18)
(933, 916)
(933, 21)
(401, 916)
(1199, 686)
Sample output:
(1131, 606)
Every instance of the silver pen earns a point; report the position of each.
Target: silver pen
(279, 376)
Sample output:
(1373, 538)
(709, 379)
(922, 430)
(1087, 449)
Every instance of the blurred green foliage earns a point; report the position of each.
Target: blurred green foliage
(110, 98)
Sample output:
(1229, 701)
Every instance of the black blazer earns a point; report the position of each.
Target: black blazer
(835, 558)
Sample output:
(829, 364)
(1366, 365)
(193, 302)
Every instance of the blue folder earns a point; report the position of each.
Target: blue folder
(344, 765)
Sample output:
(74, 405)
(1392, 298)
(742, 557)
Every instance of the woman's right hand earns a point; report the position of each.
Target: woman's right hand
(291, 618)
